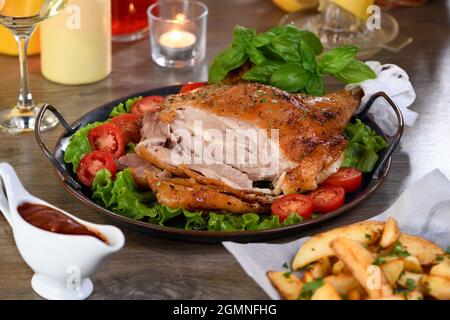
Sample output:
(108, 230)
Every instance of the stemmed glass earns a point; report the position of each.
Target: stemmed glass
(21, 17)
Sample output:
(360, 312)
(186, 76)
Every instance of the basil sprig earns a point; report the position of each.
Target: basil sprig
(288, 58)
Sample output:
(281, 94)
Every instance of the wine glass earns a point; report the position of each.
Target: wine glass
(21, 17)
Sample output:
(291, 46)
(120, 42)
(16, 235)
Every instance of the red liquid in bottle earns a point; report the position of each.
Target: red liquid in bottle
(129, 16)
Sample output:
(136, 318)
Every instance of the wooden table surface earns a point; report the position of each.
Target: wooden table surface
(156, 268)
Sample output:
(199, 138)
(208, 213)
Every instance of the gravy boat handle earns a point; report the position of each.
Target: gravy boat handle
(4, 207)
(13, 193)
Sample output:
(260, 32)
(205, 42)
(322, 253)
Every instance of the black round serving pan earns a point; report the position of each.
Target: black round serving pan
(370, 182)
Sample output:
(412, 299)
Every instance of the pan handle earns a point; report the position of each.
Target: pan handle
(38, 134)
(395, 140)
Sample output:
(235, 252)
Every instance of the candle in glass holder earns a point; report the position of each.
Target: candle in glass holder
(177, 44)
(178, 32)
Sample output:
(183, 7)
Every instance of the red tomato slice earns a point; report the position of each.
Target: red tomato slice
(107, 137)
(92, 163)
(348, 178)
(299, 203)
(147, 104)
(130, 124)
(188, 87)
(327, 199)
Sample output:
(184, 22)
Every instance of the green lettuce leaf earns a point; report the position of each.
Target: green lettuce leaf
(122, 195)
(122, 108)
(248, 222)
(364, 144)
(79, 145)
(194, 220)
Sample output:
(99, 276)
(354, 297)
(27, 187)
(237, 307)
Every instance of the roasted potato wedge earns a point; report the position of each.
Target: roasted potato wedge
(437, 287)
(391, 233)
(412, 264)
(392, 271)
(338, 267)
(343, 283)
(441, 270)
(359, 261)
(318, 247)
(321, 268)
(288, 285)
(425, 250)
(326, 292)
(367, 260)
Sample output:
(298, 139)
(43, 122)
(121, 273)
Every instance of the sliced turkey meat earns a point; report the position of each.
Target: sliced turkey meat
(243, 133)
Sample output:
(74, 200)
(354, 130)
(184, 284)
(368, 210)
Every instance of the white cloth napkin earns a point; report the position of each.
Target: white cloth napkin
(423, 209)
(395, 82)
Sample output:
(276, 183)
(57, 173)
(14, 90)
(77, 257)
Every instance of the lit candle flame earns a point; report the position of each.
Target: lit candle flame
(180, 17)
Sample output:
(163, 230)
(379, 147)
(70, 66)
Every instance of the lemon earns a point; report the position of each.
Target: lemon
(357, 7)
(295, 5)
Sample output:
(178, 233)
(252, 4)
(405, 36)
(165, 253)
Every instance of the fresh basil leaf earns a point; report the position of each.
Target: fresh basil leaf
(286, 45)
(277, 30)
(315, 85)
(262, 39)
(308, 57)
(216, 72)
(256, 56)
(335, 60)
(228, 60)
(312, 40)
(271, 54)
(243, 36)
(291, 77)
(288, 40)
(262, 73)
(233, 58)
(355, 72)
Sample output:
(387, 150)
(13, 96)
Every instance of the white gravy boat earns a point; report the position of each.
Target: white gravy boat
(62, 263)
